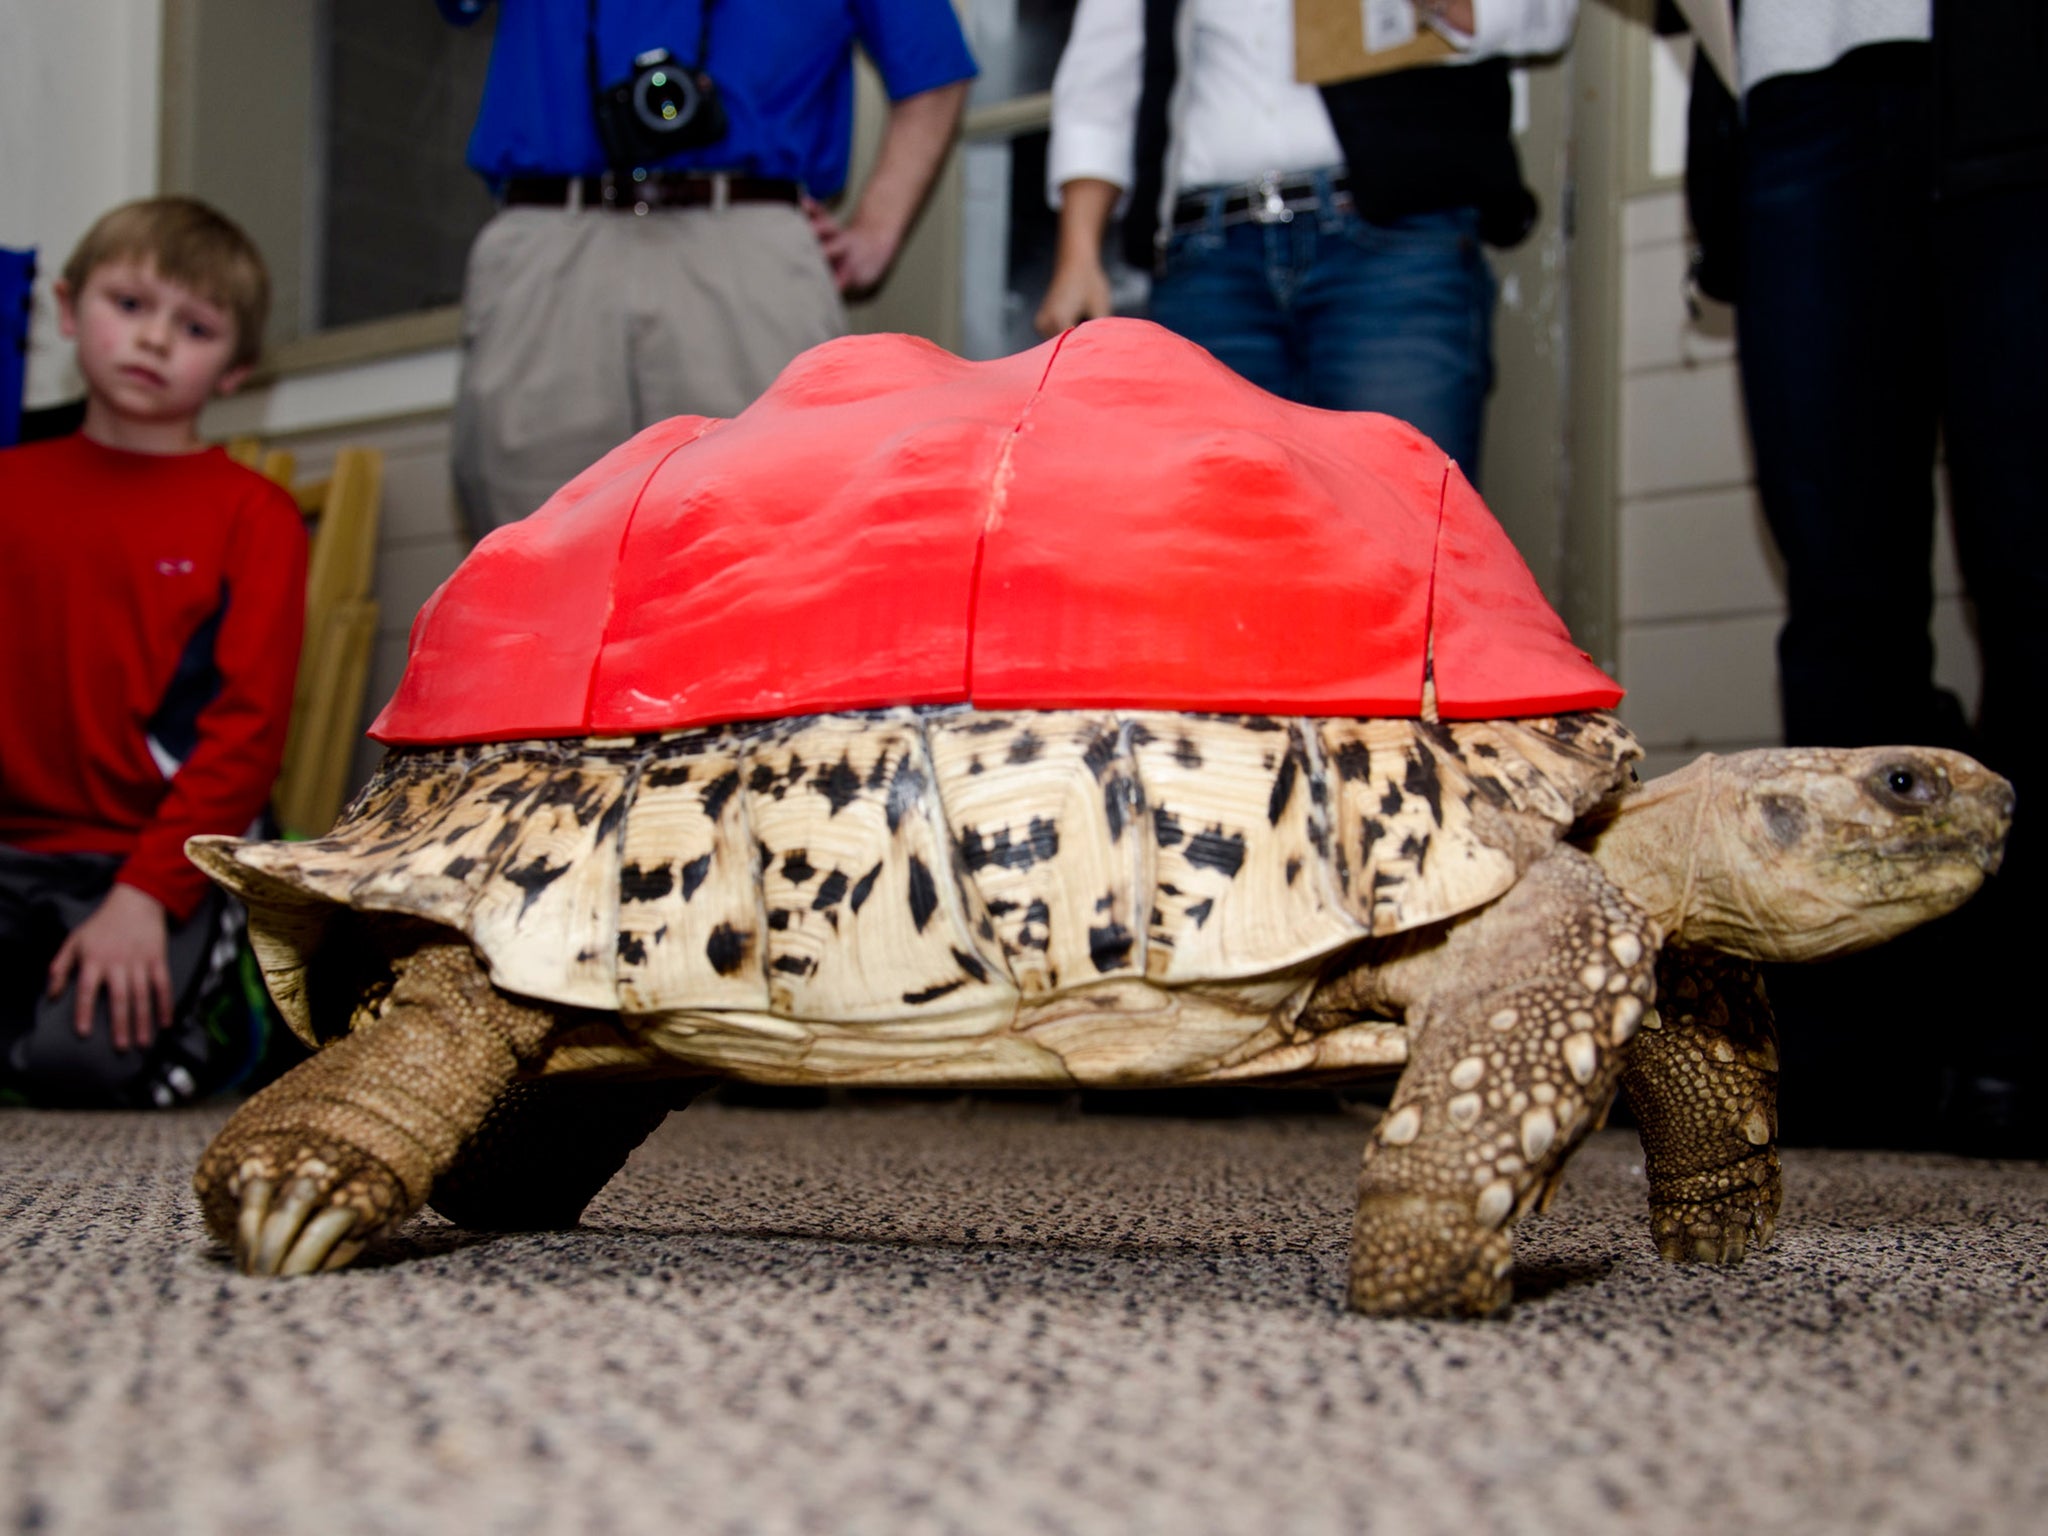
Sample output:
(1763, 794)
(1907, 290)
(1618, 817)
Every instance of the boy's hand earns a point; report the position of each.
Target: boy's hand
(122, 947)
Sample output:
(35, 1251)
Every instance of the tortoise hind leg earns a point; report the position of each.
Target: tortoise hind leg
(347, 1145)
(1702, 1079)
(547, 1147)
(1518, 1014)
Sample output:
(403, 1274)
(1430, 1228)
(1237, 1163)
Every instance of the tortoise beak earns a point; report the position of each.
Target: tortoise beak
(1980, 809)
(1999, 801)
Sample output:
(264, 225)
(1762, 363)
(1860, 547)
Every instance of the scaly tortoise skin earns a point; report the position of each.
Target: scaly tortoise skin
(526, 953)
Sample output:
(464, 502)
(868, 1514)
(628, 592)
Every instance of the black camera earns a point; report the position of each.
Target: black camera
(659, 110)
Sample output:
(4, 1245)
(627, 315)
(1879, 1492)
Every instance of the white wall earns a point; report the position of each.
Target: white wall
(80, 89)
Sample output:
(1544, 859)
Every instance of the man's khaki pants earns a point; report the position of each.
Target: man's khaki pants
(580, 328)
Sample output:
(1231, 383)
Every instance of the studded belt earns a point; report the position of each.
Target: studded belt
(647, 191)
(1272, 199)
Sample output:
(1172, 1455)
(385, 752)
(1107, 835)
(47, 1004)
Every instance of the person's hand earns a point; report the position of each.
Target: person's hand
(123, 948)
(858, 255)
(1079, 291)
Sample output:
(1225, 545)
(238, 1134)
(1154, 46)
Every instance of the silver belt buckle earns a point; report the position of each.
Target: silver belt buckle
(1271, 207)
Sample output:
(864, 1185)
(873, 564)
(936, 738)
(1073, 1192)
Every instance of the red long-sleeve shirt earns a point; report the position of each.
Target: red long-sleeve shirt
(151, 608)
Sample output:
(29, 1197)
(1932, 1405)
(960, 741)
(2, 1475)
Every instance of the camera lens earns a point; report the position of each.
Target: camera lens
(665, 98)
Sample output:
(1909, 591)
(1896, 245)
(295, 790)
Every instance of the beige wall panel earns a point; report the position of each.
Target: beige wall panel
(408, 573)
(1658, 761)
(1681, 430)
(1701, 681)
(1656, 329)
(419, 496)
(1655, 218)
(1697, 556)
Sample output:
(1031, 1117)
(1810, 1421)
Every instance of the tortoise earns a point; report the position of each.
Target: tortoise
(1084, 718)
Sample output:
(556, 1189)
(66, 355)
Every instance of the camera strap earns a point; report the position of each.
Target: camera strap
(619, 149)
(696, 66)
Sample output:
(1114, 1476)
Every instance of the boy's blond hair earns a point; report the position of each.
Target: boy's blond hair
(190, 244)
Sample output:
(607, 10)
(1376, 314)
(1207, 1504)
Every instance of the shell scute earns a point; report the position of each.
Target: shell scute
(1238, 884)
(687, 887)
(1042, 807)
(834, 803)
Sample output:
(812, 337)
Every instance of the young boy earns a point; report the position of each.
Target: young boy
(152, 595)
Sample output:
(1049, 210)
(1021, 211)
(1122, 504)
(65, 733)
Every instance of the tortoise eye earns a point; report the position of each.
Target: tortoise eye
(1909, 785)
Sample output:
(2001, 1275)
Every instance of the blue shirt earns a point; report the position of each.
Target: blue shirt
(783, 68)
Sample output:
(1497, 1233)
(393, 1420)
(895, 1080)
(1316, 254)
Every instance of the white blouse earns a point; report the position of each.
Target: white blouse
(1237, 109)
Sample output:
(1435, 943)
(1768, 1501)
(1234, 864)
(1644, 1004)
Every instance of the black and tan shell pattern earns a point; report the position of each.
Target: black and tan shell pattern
(942, 895)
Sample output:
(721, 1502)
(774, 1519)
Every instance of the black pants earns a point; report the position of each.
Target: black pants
(43, 897)
(1875, 321)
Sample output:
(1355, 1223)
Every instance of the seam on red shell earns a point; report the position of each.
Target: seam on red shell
(611, 586)
(1432, 683)
(998, 499)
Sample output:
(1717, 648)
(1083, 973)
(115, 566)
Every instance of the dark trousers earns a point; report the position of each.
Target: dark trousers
(43, 1060)
(1876, 321)
(1873, 321)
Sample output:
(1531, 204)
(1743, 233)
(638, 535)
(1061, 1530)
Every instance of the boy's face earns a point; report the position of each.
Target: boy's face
(151, 349)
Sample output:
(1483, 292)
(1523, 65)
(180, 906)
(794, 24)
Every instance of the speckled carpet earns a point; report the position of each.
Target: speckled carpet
(983, 1317)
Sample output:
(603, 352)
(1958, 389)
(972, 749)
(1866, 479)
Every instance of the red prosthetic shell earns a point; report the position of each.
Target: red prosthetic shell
(1113, 518)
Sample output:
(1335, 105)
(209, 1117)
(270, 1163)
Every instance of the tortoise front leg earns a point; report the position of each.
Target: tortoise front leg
(1518, 1014)
(1702, 1079)
(347, 1145)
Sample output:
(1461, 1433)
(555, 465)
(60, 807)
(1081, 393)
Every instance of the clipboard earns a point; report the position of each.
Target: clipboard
(1329, 44)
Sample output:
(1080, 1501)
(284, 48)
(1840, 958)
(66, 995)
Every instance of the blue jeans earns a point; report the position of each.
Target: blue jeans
(1332, 311)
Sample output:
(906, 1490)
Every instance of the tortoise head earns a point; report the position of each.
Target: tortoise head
(1800, 853)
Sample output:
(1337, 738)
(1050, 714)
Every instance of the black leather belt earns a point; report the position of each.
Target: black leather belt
(1269, 200)
(641, 192)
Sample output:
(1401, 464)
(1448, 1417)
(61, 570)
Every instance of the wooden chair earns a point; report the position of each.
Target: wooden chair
(341, 629)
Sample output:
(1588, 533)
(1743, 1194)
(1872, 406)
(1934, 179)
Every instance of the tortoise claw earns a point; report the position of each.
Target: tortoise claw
(281, 1228)
(302, 1211)
(1715, 1232)
(320, 1244)
(256, 1193)
(294, 1235)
